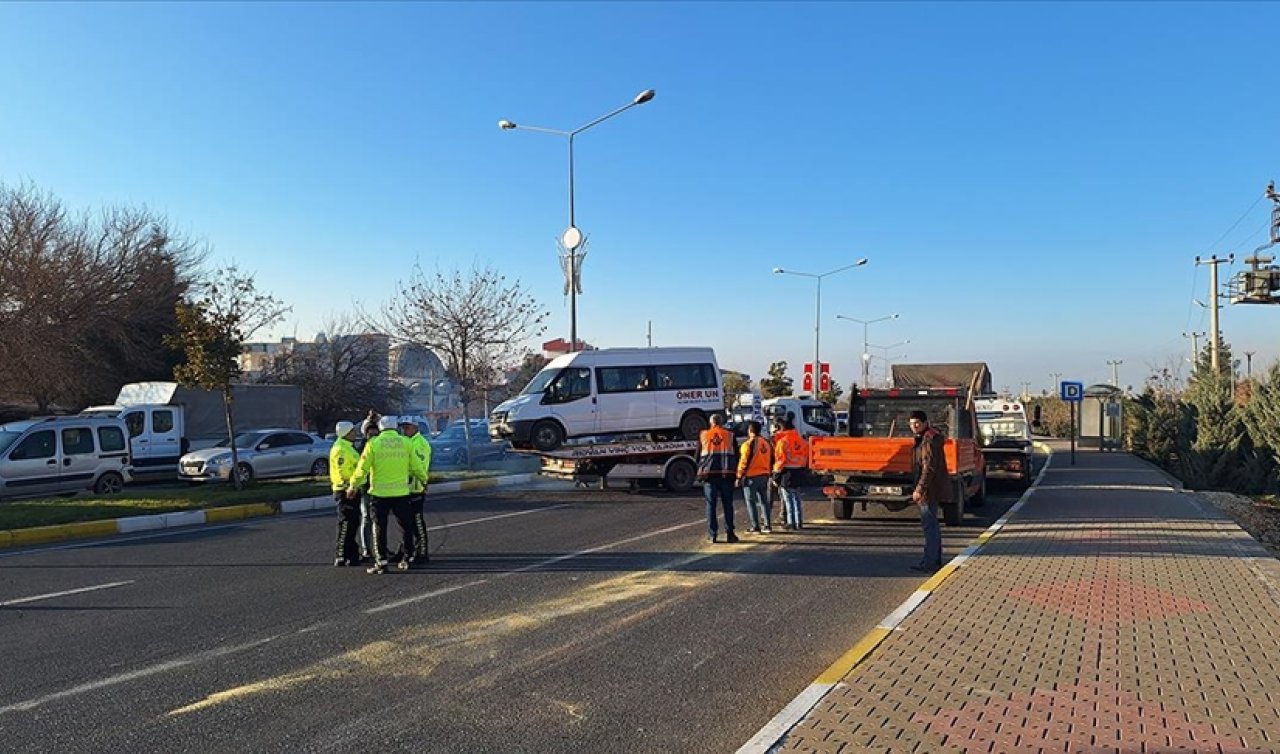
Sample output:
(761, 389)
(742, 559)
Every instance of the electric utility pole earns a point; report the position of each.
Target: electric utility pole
(1248, 360)
(1215, 334)
(1195, 346)
(1115, 374)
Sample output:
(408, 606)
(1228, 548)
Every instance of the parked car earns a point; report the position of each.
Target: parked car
(262, 454)
(450, 446)
(63, 455)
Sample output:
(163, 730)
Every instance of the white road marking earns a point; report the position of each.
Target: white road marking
(51, 595)
(114, 680)
(495, 518)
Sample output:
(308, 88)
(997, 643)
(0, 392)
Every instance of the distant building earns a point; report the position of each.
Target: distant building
(560, 346)
(430, 391)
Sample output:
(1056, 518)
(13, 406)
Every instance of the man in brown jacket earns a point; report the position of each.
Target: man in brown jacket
(929, 465)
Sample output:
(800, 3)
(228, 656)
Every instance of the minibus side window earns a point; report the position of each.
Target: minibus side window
(570, 385)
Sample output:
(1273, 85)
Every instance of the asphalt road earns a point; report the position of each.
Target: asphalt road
(550, 619)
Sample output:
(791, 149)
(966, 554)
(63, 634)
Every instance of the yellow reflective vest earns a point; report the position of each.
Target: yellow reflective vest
(422, 449)
(387, 465)
(342, 463)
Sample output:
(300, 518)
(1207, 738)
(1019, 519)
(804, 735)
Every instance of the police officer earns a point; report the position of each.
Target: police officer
(342, 464)
(418, 490)
(388, 464)
(370, 430)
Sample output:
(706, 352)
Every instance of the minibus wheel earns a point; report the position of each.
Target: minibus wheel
(546, 435)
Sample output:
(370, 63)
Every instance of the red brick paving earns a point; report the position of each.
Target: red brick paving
(1099, 620)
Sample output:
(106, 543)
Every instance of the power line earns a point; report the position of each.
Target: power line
(1234, 224)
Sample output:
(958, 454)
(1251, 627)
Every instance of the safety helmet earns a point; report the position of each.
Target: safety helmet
(387, 422)
(344, 428)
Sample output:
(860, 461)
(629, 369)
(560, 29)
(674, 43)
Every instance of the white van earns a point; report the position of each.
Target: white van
(811, 416)
(667, 392)
(62, 455)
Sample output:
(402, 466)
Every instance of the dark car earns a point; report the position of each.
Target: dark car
(449, 448)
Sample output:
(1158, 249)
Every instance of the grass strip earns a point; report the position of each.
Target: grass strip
(141, 500)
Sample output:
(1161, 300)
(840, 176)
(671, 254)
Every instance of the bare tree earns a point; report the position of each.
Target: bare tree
(476, 322)
(85, 300)
(212, 331)
(341, 375)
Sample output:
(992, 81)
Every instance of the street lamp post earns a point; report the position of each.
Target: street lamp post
(866, 355)
(572, 237)
(817, 322)
(885, 356)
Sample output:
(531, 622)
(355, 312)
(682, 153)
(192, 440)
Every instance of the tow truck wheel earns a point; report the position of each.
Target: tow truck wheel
(679, 475)
(842, 509)
(546, 436)
(692, 424)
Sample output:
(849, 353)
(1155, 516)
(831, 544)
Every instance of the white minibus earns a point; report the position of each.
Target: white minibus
(664, 392)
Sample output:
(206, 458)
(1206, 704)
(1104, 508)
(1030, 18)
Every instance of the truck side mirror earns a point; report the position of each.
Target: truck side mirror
(1035, 417)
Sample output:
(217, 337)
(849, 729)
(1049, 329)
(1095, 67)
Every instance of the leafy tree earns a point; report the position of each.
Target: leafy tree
(832, 396)
(735, 384)
(212, 330)
(1055, 415)
(1216, 450)
(777, 383)
(1261, 415)
(476, 322)
(1159, 425)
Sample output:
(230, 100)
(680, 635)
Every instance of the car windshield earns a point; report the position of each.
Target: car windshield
(1005, 429)
(540, 381)
(246, 440)
(7, 439)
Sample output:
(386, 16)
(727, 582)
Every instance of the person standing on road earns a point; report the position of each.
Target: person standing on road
(342, 464)
(388, 464)
(755, 462)
(365, 537)
(790, 459)
(418, 489)
(929, 467)
(716, 471)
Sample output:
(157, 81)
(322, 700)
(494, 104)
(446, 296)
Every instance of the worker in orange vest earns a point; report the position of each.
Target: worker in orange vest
(717, 466)
(755, 465)
(791, 458)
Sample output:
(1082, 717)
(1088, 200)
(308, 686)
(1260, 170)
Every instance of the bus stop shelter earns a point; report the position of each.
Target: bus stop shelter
(1102, 418)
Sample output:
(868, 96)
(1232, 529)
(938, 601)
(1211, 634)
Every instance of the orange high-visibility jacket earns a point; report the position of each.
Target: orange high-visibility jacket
(715, 456)
(790, 450)
(755, 458)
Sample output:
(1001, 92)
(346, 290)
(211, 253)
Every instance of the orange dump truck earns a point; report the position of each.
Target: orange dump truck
(872, 464)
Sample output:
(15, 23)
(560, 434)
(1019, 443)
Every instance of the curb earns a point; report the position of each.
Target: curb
(768, 737)
(131, 524)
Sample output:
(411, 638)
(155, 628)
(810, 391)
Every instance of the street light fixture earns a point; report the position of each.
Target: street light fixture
(572, 238)
(885, 356)
(866, 357)
(817, 322)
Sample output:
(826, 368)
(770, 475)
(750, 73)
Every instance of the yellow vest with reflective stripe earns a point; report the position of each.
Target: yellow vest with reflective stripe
(422, 449)
(387, 464)
(342, 463)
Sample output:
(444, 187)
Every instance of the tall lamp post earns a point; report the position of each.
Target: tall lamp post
(572, 237)
(866, 355)
(817, 322)
(885, 355)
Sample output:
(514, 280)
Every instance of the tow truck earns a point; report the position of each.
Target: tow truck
(672, 463)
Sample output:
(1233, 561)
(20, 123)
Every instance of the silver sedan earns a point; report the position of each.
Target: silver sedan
(261, 454)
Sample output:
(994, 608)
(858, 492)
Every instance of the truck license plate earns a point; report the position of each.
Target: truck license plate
(880, 489)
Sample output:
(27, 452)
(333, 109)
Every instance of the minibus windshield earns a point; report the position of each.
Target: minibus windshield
(540, 381)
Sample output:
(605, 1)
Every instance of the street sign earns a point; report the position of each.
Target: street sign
(1071, 391)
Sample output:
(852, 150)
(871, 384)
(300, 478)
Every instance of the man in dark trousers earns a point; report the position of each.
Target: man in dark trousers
(717, 467)
(929, 467)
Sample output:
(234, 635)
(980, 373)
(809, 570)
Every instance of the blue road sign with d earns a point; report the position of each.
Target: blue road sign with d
(1071, 391)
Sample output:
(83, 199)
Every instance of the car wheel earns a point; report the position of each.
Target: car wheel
(109, 484)
(546, 435)
(245, 472)
(692, 424)
(320, 467)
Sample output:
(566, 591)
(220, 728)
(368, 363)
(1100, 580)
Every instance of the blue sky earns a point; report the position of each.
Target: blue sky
(1031, 182)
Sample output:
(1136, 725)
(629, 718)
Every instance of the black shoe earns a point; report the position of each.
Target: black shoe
(922, 568)
(731, 538)
(340, 562)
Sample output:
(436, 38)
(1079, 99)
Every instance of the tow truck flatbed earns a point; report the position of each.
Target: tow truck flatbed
(674, 463)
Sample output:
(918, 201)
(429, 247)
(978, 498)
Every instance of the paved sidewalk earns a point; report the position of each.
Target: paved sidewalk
(1113, 613)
